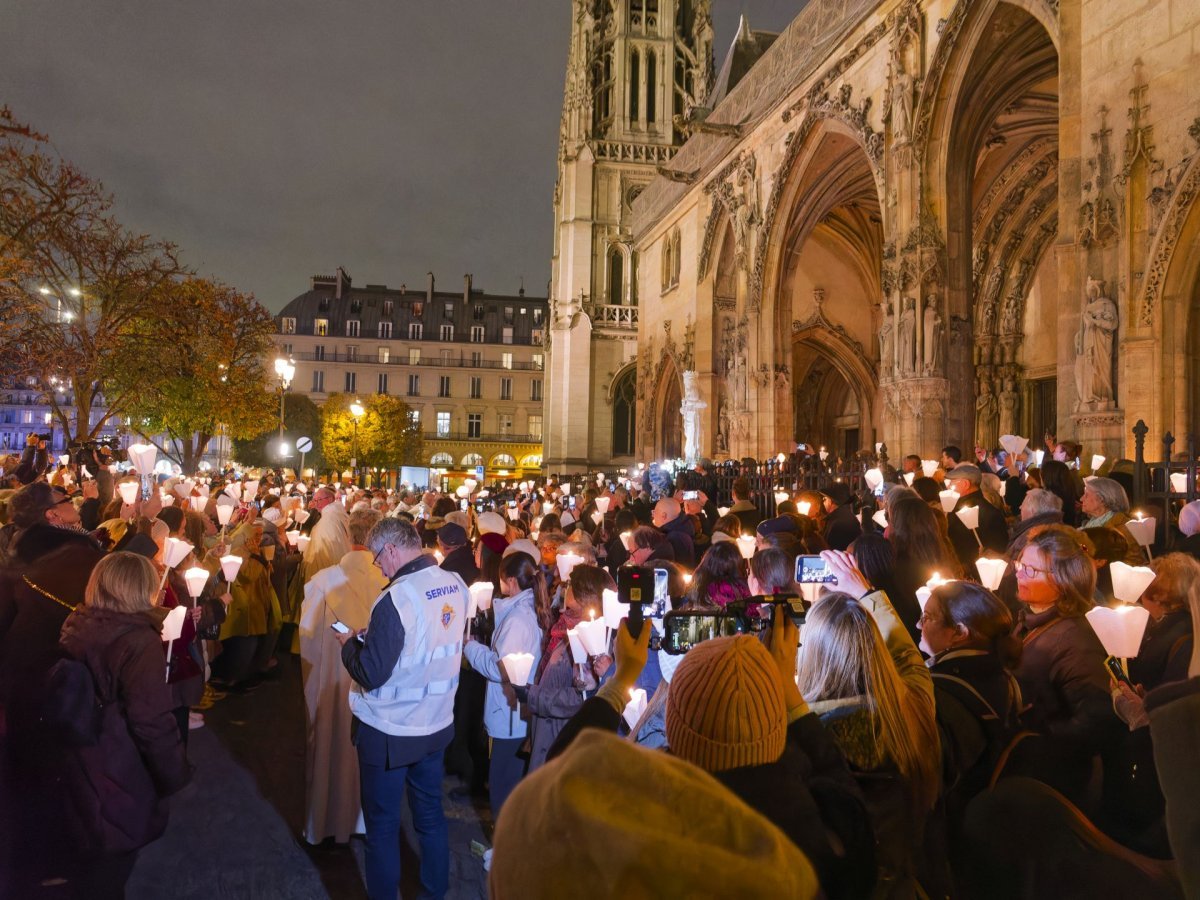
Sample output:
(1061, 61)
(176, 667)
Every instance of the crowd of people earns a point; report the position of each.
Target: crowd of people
(916, 721)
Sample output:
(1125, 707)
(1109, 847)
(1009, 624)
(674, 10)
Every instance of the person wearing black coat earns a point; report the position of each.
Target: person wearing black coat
(841, 525)
(993, 529)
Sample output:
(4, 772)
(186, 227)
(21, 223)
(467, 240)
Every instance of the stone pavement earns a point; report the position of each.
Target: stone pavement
(235, 832)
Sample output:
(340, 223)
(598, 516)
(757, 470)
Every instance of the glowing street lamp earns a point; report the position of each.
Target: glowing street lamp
(285, 370)
(357, 411)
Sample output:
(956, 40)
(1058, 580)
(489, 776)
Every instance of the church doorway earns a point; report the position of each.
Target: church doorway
(670, 427)
(828, 404)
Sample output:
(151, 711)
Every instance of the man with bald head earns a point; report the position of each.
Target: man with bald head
(321, 498)
(669, 518)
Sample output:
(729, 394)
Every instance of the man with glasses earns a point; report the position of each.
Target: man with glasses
(405, 666)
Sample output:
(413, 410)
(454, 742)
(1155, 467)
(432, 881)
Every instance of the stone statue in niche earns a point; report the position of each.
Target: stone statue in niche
(745, 213)
(690, 409)
(908, 336)
(887, 341)
(902, 101)
(1009, 400)
(1094, 348)
(986, 410)
(933, 327)
(1008, 322)
(723, 427)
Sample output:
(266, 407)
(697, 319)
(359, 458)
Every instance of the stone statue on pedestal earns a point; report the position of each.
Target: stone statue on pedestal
(908, 336)
(1094, 348)
(933, 337)
(887, 341)
(690, 410)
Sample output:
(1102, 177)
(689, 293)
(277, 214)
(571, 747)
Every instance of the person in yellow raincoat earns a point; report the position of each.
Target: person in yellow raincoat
(253, 620)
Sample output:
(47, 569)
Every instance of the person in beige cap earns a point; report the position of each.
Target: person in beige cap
(610, 819)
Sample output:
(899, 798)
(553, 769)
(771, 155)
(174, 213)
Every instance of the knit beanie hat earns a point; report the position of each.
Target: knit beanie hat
(608, 818)
(726, 708)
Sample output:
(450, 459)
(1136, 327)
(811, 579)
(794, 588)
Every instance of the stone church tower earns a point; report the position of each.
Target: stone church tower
(636, 72)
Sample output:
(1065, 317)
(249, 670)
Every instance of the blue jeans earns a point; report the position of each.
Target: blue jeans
(382, 791)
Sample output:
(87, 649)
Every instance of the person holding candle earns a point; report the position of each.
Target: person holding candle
(1105, 505)
(1062, 673)
(720, 579)
(992, 531)
(1167, 643)
(522, 615)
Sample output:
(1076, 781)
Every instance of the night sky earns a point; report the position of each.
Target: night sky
(277, 140)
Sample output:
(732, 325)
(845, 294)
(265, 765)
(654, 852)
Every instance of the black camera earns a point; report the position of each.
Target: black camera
(685, 628)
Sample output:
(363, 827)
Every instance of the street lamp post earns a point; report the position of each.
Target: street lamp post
(356, 410)
(285, 369)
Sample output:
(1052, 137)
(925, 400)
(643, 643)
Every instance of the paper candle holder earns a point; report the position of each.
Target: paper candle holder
(593, 634)
(518, 666)
(578, 655)
(880, 518)
(782, 497)
(1120, 629)
(480, 597)
(566, 562)
(183, 489)
(302, 542)
(923, 592)
(1038, 456)
(1097, 462)
(129, 491)
(1130, 582)
(141, 457)
(949, 498)
(804, 507)
(293, 537)
(747, 544)
(991, 571)
(195, 578)
(301, 516)
(167, 499)
(908, 478)
(172, 626)
(635, 707)
(723, 511)
(614, 612)
(230, 566)
(175, 551)
(1179, 482)
(602, 504)
(1013, 444)
(268, 551)
(224, 513)
(198, 503)
(627, 541)
(597, 517)
(928, 467)
(873, 477)
(969, 516)
(1142, 529)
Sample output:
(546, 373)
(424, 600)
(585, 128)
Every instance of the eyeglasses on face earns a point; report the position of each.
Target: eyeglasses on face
(1025, 570)
(375, 561)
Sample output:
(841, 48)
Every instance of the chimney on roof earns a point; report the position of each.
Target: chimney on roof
(429, 291)
(521, 290)
(466, 289)
(343, 283)
(403, 288)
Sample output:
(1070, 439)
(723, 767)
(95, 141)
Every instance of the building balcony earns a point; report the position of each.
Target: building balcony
(424, 362)
(608, 316)
(485, 438)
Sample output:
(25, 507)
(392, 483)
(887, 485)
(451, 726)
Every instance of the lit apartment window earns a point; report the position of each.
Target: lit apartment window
(537, 316)
(506, 360)
(288, 325)
(443, 424)
(505, 388)
(385, 354)
(352, 327)
(415, 330)
(414, 385)
(318, 382)
(523, 310)
(477, 312)
(382, 383)
(508, 315)
(387, 307)
(447, 333)
(351, 353)
(449, 311)
(535, 427)
(476, 334)
(414, 416)
(476, 387)
(474, 425)
(504, 423)
(320, 327)
(385, 330)
(414, 356)
(351, 382)
(27, 417)
(506, 334)
(535, 390)
(444, 386)
(318, 351)
(539, 361)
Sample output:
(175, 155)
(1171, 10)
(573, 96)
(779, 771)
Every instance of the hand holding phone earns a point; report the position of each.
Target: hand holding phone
(340, 627)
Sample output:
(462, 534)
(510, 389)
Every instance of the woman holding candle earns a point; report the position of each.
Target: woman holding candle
(1062, 674)
(557, 689)
(522, 614)
(1167, 643)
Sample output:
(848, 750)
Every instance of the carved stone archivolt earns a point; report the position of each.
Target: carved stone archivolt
(735, 194)
(1166, 239)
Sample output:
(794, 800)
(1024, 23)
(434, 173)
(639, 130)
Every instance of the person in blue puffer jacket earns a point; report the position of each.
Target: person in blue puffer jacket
(522, 620)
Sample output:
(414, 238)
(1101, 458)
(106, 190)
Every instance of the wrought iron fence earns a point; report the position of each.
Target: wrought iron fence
(1161, 488)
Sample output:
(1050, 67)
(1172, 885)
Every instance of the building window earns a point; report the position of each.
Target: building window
(539, 361)
(625, 413)
(414, 356)
(444, 386)
(472, 459)
(449, 311)
(387, 308)
(477, 312)
(385, 330)
(318, 351)
(318, 382)
(415, 331)
(382, 383)
(508, 315)
(443, 424)
(537, 316)
(474, 425)
(535, 427)
(352, 327)
(414, 385)
(418, 308)
(351, 382)
(506, 360)
(447, 333)
(444, 356)
(505, 460)
(476, 358)
(535, 390)
(320, 327)
(441, 459)
(506, 334)
(356, 305)
(351, 353)
(476, 387)
(505, 388)
(414, 417)
(504, 423)
(616, 277)
(476, 334)
(288, 325)
(287, 349)
(385, 354)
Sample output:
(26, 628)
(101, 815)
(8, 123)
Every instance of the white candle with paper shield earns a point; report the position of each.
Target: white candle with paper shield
(1097, 462)
(613, 611)
(578, 655)
(198, 503)
(1179, 482)
(167, 499)
(1120, 628)
(908, 478)
(480, 597)
(230, 566)
(195, 578)
(1013, 445)
(593, 634)
(302, 542)
(141, 457)
(627, 541)
(172, 628)
(873, 478)
(929, 467)
(1130, 582)
(635, 707)
(1038, 456)
(183, 489)
(747, 544)
(923, 592)
(804, 507)
(602, 504)
(566, 562)
(949, 499)
(517, 666)
(991, 571)
(969, 516)
(782, 497)
(293, 537)
(129, 491)
(722, 511)
(1142, 529)
(880, 518)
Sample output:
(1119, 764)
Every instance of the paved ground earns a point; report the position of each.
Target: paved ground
(234, 832)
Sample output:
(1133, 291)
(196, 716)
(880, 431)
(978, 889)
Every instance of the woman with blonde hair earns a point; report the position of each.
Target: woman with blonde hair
(863, 676)
(1167, 644)
(116, 786)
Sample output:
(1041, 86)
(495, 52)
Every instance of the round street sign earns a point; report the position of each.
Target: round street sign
(304, 444)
